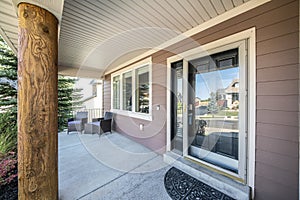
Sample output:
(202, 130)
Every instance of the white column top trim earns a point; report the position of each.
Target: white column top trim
(53, 6)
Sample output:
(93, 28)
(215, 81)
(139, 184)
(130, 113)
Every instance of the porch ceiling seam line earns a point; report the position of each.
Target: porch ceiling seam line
(205, 25)
(8, 41)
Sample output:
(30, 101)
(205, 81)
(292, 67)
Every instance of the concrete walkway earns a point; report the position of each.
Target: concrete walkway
(109, 167)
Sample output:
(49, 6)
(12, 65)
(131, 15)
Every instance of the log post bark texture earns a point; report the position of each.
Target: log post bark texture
(37, 104)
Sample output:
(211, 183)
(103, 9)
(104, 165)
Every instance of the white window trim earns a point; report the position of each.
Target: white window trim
(112, 94)
(133, 68)
(216, 46)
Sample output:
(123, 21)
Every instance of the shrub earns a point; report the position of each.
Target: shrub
(8, 132)
(8, 169)
(7, 143)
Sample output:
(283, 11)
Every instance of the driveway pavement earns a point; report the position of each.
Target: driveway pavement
(109, 167)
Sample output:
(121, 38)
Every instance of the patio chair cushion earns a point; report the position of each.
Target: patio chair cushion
(95, 123)
(74, 122)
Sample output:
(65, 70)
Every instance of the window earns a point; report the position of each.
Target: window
(142, 90)
(131, 91)
(127, 91)
(116, 92)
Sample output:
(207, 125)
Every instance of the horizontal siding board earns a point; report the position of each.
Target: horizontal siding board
(160, 81)
(158, 86)
(162, 104)
(158, 65)
(159, 73)
(278, 117)
(288, 72)
(277, 175)
(277, 88)
(259, 18)
(282, 162)
(160, 92)
(289, 133)
(282, 43)
(279, 103)
(268, 189)
(156, 145)
(107, 93)
(158, 89)
(283, 11)
(281, 58)
(277, 146)
(159, 69)
(153, 135)
(278, 29)
(160, 57)
(159, 99)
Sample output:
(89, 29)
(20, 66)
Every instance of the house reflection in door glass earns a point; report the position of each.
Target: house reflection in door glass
(214, 133)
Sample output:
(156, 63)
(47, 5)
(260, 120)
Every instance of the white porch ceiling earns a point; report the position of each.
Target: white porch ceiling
(98, 35)
(9, 24)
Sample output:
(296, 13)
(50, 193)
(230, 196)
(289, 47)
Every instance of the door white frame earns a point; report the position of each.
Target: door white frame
(250, 127)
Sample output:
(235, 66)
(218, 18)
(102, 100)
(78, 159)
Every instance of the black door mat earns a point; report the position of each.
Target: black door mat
(180, 185)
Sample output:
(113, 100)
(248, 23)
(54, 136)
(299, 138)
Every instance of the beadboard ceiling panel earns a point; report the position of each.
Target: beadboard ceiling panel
(9, 24)
(104, 32)
(228, 4)
(98, 35)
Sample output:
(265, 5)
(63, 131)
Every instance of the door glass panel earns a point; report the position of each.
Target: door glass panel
(213, 110)
(177, 107)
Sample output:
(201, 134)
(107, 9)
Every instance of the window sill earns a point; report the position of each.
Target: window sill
(143, 116)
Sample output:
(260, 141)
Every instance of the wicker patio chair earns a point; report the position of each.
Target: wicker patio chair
(99, 125)
(77, 123)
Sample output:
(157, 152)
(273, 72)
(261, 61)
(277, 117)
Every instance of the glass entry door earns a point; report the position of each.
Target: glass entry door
(217, 110)
(209, 108)
(177, 107)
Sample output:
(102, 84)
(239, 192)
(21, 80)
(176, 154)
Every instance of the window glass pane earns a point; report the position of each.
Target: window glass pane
(142, 90)
(213, 119)
(116, 92)
(127, 91)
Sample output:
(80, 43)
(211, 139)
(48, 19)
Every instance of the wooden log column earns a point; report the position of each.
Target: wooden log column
(37, 103)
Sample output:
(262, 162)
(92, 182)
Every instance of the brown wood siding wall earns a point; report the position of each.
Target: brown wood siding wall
(277, 158)
(277, 36)
(106, 94)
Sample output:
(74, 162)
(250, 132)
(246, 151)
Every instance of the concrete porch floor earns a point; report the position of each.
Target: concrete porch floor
(108, 167)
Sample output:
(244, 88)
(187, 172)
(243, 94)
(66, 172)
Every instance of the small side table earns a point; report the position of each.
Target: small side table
(91, 128)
